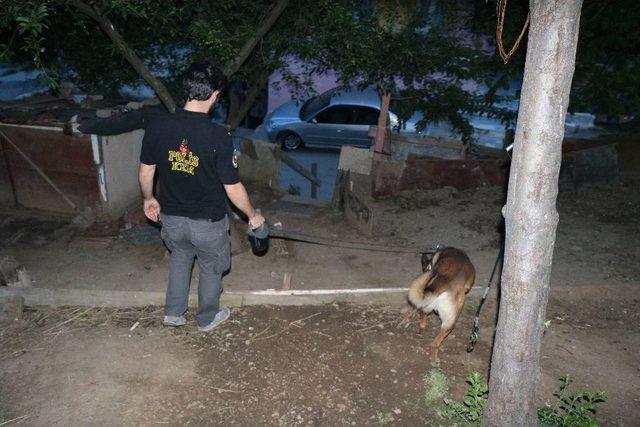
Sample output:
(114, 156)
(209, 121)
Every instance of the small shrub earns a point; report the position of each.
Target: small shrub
(471, 408)
(436, 384)
(384, 418)
(294, 190)
(574, 410)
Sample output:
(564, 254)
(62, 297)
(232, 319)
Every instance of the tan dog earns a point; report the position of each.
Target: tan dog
(441, 288)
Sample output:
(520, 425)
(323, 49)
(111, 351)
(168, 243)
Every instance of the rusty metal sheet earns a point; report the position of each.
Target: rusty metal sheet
(66, 159)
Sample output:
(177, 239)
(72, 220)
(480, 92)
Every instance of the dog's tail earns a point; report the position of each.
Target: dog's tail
(420, 284)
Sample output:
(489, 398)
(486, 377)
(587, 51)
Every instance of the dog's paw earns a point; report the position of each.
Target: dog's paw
(434, 359)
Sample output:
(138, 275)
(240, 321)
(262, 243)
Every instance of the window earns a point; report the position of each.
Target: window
(336, 115)
(315, 104)
(365, 116)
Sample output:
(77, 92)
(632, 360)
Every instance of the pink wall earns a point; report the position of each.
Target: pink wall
(280, 92)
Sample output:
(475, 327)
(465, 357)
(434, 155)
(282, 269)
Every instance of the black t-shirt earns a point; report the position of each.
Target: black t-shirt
(194, 158)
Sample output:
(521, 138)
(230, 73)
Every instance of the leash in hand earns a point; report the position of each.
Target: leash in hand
(473, 338)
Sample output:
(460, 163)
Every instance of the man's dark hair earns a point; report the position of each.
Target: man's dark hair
(202, 79)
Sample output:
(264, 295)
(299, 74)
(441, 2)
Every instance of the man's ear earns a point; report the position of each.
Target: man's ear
(214, 96)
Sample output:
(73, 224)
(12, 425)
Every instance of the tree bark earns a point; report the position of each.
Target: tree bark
(271, 17)
(235, 101)
(530, 213)
(381, 131)
(128, 53)
(241, 110)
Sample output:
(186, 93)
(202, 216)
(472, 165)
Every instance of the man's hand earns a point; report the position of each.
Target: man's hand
(256, 220)
(151, 209)
(150, 205)
(239, 197)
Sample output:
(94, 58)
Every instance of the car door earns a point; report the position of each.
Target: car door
(363, 118)
(329, 128)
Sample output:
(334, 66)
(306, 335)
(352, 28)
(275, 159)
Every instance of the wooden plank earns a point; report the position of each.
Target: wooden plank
(296, 166)
(286, 282)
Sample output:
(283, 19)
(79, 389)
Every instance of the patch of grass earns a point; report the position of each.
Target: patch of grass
(384, 418)
(5, 414)
(436, 384)
(471, 409)
(571, 410)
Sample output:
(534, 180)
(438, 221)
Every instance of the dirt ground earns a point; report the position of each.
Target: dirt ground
(594, 246)
(328, 365)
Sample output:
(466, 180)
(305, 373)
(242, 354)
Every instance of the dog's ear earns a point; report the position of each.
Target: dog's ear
(425, 261)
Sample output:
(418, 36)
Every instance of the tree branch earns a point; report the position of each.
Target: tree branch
(128, 53)
(249, 99)
(272, 16)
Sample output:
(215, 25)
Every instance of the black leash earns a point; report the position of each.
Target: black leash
(476, 322)
(339, 243)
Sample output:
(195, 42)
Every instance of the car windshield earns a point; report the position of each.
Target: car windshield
(315, 104)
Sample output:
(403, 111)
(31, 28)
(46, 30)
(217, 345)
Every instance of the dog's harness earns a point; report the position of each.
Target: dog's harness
(473, 338)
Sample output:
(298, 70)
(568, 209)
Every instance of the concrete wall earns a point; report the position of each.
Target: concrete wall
(121, 159)
(259, 163)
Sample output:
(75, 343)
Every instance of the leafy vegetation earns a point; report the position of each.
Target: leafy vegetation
(403, 53)
(607, 75)
(571, 410)
(471, 408)
(384, 418)
(431, 56)
(575, 410)
(294, 190)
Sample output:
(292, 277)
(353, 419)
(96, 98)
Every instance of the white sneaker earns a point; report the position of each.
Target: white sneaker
(220, 317)
(174, 321)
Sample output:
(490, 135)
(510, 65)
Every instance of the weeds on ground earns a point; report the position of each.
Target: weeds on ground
(384, 418)
(436, 386)
(7, 416)
(575, 410)
(471, 408)
(571, 410)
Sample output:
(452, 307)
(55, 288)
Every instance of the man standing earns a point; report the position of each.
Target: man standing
(196, 165)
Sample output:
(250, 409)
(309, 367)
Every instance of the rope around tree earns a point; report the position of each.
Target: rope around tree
(501, 9)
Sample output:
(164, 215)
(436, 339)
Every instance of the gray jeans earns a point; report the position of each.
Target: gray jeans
(208, 241)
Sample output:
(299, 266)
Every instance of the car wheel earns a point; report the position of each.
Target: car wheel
(290, 141)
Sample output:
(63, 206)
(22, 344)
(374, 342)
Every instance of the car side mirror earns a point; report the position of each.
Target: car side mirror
(313, 120)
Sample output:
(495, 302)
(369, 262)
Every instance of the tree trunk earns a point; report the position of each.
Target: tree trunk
(133, 59)
(241, 110)
(271, 17)
(381, 131)
(530, 213)
(235, 101)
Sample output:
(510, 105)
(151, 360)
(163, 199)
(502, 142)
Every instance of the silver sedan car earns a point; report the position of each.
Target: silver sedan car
(331, 119)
